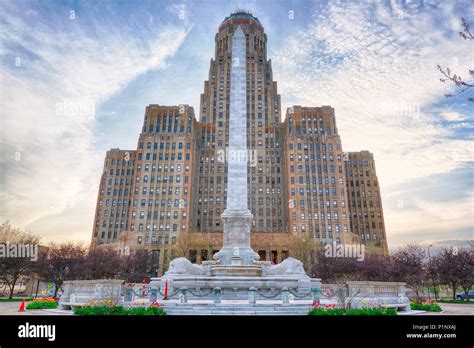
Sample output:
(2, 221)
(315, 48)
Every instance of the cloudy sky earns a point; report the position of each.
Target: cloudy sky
(76, 77)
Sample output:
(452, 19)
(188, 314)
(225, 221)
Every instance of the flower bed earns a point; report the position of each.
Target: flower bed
(331, 309)
(428, 305)
(43, 303)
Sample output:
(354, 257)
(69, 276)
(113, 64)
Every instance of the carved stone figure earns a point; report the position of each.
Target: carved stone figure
(288, 266)
(182, 265)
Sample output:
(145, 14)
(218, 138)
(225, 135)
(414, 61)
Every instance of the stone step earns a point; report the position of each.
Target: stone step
(232, 309)
(239, 313)
(239, 310)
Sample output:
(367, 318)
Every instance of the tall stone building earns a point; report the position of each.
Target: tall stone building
(365, 201)
(316, 183)
(176, 179)
(115, 188)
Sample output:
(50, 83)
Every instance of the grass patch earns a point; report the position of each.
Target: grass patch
(359, 311)
(15, 299)
(119, 310)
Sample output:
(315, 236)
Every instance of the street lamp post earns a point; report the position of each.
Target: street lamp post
(432, 278)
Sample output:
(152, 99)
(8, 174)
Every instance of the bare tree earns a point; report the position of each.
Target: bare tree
(13, 268)
(187, 241)
(305, 250)
(61, 262)
(448, 75)
(345, 294)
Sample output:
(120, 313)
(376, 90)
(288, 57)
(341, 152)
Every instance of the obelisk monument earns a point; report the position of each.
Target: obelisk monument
(236, 250)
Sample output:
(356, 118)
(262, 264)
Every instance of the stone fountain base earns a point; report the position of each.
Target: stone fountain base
(235, 281)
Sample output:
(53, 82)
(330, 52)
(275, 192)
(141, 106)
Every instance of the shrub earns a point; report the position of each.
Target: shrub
(100, 310)
(319, 309)
(42, 305)
(146, 311)
(119, 310)
(428, 305)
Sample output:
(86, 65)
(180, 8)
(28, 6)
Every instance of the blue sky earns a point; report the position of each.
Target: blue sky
(76, 77)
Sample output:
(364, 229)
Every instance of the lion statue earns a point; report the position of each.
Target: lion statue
(182, 265)
(288, 266)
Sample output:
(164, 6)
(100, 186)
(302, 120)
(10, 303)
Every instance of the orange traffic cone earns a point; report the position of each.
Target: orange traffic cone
(22, 306)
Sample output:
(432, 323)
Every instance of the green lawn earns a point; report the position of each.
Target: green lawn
(450, 300)
(15, 299)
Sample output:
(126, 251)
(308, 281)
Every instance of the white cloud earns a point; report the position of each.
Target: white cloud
(379, 72)
(434, 220)
(377, 67)
(453, 116)
(48, 111)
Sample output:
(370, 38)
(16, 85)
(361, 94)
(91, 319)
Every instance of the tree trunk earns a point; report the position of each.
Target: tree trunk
(12, 288)
(436, 292)
(11, 292)
(454, 290)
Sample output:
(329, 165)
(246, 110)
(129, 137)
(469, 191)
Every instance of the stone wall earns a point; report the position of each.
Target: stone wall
(78, 293)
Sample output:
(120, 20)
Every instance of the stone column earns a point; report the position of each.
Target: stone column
(236, 250)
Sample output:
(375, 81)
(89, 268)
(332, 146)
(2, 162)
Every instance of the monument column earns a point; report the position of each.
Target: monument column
(237, 218)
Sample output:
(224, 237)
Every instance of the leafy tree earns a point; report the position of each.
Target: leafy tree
(456, 267)
(101, 263)
(13, 268)
(375, 267)
(134, 267)
(408, 265)
(433, 273)
(465, 269)
(332, 269)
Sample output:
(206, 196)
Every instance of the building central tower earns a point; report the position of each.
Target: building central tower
(258, 124)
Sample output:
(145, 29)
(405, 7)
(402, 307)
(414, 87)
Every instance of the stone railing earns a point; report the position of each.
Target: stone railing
(368, 293)
(78, 293)
(358, 293)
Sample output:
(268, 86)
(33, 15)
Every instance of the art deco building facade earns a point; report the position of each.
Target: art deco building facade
(365, 202)
(265, 185)
(316, 183)
(112, 211)
(298, 182)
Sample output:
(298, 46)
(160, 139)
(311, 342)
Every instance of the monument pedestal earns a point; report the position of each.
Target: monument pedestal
(236, 250)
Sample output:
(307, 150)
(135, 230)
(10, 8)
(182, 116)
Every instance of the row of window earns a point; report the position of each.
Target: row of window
(320, 216)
